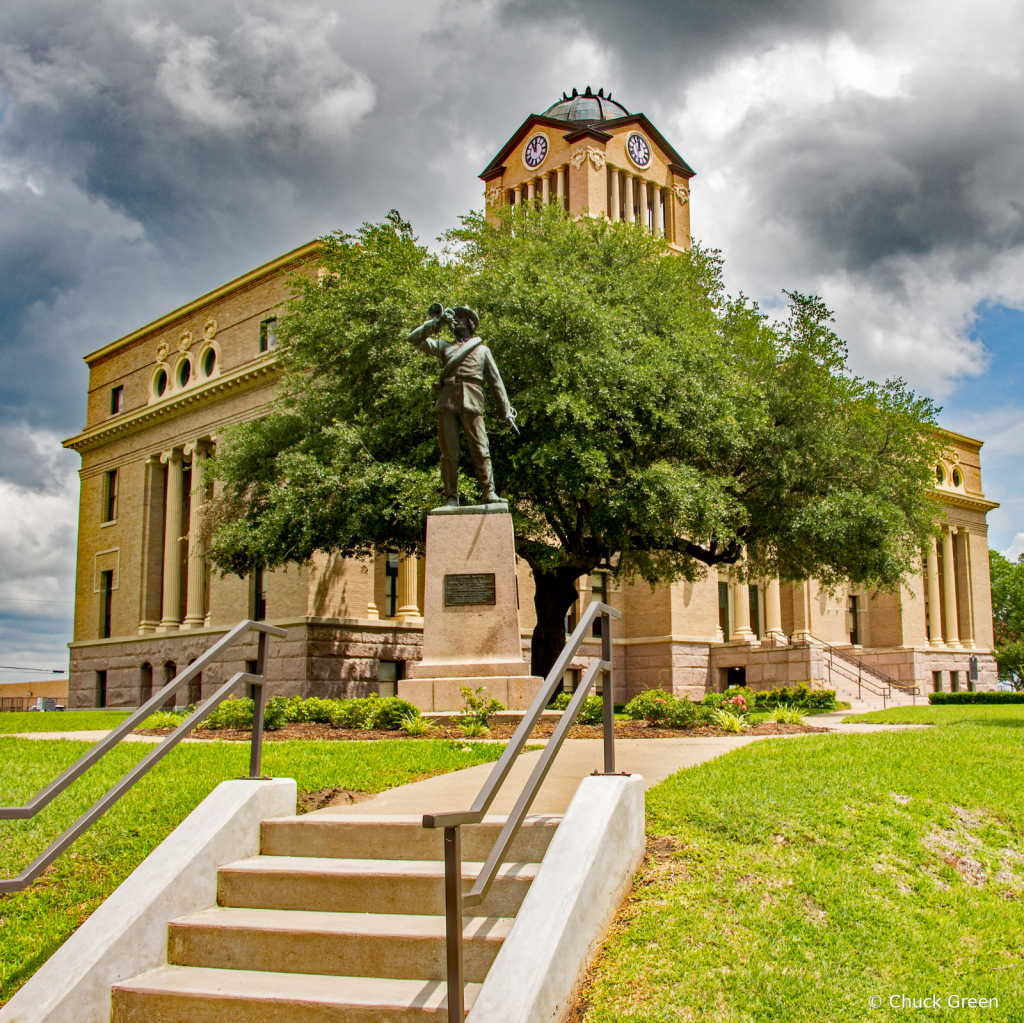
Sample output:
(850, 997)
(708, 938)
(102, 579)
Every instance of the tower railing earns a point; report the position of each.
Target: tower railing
(45, 796)
(454, 898)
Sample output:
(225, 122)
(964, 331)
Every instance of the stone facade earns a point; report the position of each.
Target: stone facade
(147, 603)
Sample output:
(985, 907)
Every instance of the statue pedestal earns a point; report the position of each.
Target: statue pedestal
(470, 613)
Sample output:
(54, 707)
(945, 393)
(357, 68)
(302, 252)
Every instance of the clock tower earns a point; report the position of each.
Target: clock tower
(588, 153)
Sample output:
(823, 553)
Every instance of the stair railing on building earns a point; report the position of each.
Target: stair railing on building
(454, 899)
(155, 702)
(866, 676)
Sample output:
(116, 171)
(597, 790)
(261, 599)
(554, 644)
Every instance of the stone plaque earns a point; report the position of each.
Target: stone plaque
(477, 588)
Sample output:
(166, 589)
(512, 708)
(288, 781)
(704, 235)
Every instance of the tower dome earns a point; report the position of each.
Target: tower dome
(587, 107)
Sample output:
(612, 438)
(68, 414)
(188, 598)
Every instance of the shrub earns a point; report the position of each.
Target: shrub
(164, 719)
(802, 696)
(473, 728)
(660, 708)
(231, 713)
(788, 716)
(274, 716)
(976, 698)
(388, 712)
(415, 725)
(560, 702)
(729, 721)
(592, 711)
(479, 705)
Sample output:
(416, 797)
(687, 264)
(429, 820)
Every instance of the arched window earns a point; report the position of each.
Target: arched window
(940, 475)
(145, 682)
(195, 689)
(170, 672)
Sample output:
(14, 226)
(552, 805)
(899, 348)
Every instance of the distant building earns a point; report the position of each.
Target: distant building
(147, 603)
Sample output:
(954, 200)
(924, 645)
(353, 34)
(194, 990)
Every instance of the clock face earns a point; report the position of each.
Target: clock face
(535, 151)
(638, 149)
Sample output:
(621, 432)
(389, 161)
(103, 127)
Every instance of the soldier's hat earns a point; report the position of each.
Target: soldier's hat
(464, 310)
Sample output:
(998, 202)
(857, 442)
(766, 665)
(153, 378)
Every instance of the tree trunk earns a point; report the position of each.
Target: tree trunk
(555, 593)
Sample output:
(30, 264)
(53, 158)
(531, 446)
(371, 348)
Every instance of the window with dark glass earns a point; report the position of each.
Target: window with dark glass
(389, 675)
(723, 610)
(755, 615)
(853, 618)
(101, 688)
(116, 400)
(185, 373)
(106, 599)
(259, 595)
(161, 383)
(390, 585)
(110, 495)
(599, 591)
(268, 334)
(209, 362)
(954, 681)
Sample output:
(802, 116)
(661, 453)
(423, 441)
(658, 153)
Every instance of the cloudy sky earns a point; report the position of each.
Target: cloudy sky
(151, 150)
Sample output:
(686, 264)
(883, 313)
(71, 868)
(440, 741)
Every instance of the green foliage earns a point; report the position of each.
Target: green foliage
(164, 719)
(788, 715)
(368, 712)
(560, 702)
(802, 696)
(479, 706)
(232, 713)
(413, 724)
(274, 714)
(59, 721)
(663, 709)
(1003, 697)
(591, 713)
(728, 720)
(666, 427)
(1008, 617)
(474, 728)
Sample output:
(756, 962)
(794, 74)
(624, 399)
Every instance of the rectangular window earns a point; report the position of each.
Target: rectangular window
(937, 681)
(391, 585)
(755, 614)
(106, 599)
(268, 334)
(954, 681)
(116, 400)
(250, 669)
(570, 680)
(599, 591)
(259, 595)
(389, 675)
(570, 618)
(110, 495)
(101, 688)
(853, 620)
(723, 610)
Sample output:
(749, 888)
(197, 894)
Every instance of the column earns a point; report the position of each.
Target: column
(170, 618)
(656, 211)
(408, 584)
(802, 612)
(531, 189)
(773, 612)
(627, 196)
(740, 603)
(949, 590)
(642, 188)
(545, 188)
(150, 582)
(616, 202)
(934, 601)
(968, 640)
(560, 186)
(517, 194)
(195, 592)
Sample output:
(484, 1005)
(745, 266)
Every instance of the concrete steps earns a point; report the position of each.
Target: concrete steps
(340, 918)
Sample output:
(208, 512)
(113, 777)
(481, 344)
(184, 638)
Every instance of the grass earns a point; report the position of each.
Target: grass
(794, 880)
(34, 923)
(996, 715)
(60, 721)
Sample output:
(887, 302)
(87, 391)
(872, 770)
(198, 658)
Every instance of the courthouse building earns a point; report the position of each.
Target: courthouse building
(147, 602)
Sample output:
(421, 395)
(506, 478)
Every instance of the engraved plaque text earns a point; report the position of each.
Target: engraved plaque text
(469, 589)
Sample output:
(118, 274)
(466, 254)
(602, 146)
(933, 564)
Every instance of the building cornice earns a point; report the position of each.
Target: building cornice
(955, 500)
(298, 255)
(961, 437)
(243, 378)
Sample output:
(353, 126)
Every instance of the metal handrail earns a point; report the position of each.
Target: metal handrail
(93, 814)
(882, 687)
(454, 898)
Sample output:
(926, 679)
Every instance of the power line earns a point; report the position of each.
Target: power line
(46, 671)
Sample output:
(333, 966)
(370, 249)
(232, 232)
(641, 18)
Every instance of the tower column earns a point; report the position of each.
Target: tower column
(656, 209)
(642, 186)
(741, 605)
(545, 188)
(773, 612)
(170, 618)
(949, 589)
(195, 593)
(531, 189)
(934, 600)
(408, 585)
(517, 195)
(616, 201)
(560, 186)
(627, 196)
(968, 640)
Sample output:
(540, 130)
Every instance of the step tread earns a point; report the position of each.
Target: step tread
(490, 928)
(306, 988)
(329, 814)
(366, 868)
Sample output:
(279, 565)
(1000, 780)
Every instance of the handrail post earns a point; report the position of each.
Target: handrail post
(453, 923)
(259, 700)
(608, 693)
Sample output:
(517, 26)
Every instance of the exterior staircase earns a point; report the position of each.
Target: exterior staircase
(864, 686)
(340, 919)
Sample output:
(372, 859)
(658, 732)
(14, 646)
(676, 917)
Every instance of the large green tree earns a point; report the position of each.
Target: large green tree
(666, 427)
(1008, 617)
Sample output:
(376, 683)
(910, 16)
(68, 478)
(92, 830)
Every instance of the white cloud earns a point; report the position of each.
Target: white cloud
(1016, 549)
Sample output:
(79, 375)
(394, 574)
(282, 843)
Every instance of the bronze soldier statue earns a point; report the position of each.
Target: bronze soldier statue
(466, 363)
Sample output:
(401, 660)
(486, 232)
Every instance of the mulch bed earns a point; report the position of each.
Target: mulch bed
(623, 730)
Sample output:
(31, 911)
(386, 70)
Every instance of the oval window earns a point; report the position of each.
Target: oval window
(185, 373)
(161, 384)
(940, 476)
(209, 362)
(957, 479)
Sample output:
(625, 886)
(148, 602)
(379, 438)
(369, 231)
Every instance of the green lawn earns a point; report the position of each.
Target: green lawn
(797, 879)
(61, 721)
(35, 922)
(1002, 715)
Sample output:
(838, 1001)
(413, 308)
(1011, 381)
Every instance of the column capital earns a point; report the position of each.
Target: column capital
(200, 446)
(172, 455)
